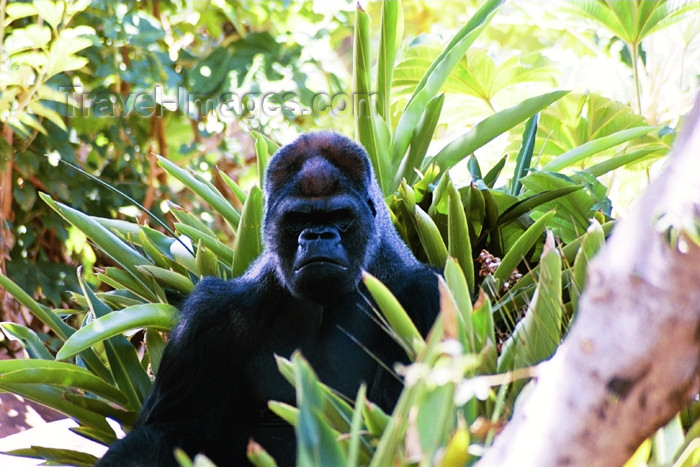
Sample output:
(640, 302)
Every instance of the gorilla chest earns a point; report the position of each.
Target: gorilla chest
(332, 343)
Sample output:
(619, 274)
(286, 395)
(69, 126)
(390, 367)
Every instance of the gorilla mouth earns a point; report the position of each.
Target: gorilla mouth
(320, 260)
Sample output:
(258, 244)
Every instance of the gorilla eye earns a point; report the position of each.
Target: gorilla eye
(341, 219)
(343, 225)
(296, 222)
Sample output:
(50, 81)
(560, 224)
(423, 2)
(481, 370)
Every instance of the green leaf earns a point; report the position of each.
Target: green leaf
(115, 298)
(207, 262)
(520, 248)
(482, 317)
(98, 436)
(109, 243)
(121, 279)
(32, 122)
(51, 12)
(475, 209)
(124, 363)
(205, 190)
(55, 398)
(29, 339)
(336, 410)
(492, 175)
(264, 149)
(125, 229)
(106, 409)
(491, 127)
(622, 160)
(47, 113)
(256, 455)
(168, 278)
(420, 141)
(436, 412)
(526, 205)
(592, 241)
(237, 190)
(356, 426)
(156, 246)
(45, 315)
(51, 319)
(375, 419)
(286, 412)
(62, 55)
(537, 335)
(430, 237)
(316, 442)
(461, 294)
(431, 83)
(474, 167)
(223, 252)
(152, 315)
(389, 44)
(395, 314)
(56, 456)
(573, 211)
(458, 236)
(591, 148)
(17, 10)
(690, 455)
(480, 76)
(36, 59)
(193, 221)
(155, 345)
(632, 21)
(522, 160)
(569, 252)
(365, 125)
(248, 244)
(439, 203)
(58, 374)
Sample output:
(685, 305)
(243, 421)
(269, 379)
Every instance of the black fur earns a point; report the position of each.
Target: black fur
(325, 220)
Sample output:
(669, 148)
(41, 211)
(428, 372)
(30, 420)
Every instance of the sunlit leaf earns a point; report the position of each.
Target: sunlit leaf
(248, 244)
(433, 79)
(491, 127)
(153, 315)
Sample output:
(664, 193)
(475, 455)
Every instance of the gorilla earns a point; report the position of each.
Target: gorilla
(325, 222)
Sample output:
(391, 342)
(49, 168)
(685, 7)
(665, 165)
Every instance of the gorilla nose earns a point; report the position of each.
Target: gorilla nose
(323, 233)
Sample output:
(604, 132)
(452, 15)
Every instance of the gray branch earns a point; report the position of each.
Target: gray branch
(632, 358)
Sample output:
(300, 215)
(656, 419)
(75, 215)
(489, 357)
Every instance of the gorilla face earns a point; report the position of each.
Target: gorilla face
(322, 248)
(319, 220)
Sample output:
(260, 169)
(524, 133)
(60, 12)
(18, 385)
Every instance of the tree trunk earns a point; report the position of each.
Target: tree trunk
(632, 358)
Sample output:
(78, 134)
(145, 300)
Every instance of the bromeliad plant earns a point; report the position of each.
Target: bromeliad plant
(513, 255)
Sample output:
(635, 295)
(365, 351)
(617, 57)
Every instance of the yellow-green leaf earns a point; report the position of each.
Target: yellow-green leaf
(152, 315)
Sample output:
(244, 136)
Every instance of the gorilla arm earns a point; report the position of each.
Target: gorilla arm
(196, 395)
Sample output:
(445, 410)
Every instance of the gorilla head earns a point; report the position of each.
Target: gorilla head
(320, 217)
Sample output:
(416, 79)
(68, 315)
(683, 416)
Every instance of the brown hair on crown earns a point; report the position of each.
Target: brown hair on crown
(332, 154)
(318, 177)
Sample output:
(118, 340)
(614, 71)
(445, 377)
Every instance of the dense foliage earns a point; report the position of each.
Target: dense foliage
(491, 172)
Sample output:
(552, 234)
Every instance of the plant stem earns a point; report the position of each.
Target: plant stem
(635, 73)
(2, 23)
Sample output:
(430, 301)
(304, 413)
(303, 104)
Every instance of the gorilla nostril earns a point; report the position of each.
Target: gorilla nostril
(318, 233)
